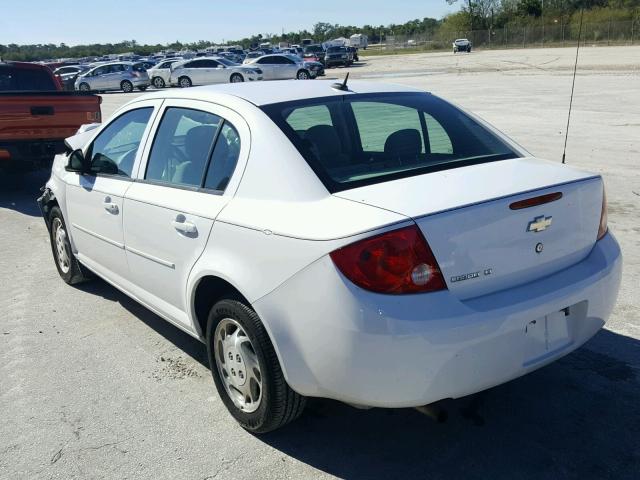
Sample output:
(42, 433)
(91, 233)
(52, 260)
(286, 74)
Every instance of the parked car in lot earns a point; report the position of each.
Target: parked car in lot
(160, 74)
(206, 71)
(461, 45)
(68, 75)
(314, 53)
(123, 76)
(36, 115)
(337, 56)
(253, 55)
(283, 67)
(372, 244)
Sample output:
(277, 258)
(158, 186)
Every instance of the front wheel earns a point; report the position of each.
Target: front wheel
(158, 82)
(236, 78)
(184, 82)
(303, 75)
(246, 370)
(126, 86)
(84, 87)
(68, 266)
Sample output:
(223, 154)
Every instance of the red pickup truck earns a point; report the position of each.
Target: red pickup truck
(36, 115)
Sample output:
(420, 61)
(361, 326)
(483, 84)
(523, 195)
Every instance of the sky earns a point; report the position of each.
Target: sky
(163, 21)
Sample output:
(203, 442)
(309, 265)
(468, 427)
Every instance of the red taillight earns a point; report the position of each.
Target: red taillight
(602, 229)
(399, 261)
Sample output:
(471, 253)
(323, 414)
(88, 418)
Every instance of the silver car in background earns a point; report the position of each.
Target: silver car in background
(123, 76)
(284, 67)
(210, 70)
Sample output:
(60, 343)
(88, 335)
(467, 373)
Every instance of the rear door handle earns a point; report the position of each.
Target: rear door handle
(182, 225)
(109, 206)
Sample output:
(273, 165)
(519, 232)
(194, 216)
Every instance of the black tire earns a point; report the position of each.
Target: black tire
(142, 89)
(184, 82)
(158, 82)
(126, 86)
(236, 78)
(84, 87)
(279, 404)
(70, 270)
(303, 75)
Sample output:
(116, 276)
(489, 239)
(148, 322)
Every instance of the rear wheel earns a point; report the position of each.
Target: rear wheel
(303, 75)
(158, 82)
(68, 266)
(184, 82)
(246, 370)
(236, 78)
(126, 86)
(84, 87)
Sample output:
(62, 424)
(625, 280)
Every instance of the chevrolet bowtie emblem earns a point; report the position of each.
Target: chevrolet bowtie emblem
(539, 224)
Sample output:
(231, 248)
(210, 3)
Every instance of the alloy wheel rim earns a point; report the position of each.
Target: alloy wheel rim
(238, 365)
(127, 87)
(158, 83)
(60, 238)
(303, 75)
(236, 79)
(184, 83)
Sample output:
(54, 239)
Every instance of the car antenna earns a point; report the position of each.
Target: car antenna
(573, 84)
(342, 86)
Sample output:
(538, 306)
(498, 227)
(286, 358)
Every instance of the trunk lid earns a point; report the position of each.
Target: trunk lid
(481, 244)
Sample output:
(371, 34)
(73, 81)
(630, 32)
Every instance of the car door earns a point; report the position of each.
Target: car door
(94, 200)
(96, 80)
(268, 67)
(289, 68)
(196, 72)
(217, 72)
(182, 186)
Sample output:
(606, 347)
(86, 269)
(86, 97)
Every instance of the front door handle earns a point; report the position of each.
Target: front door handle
(182, 225)
(109, 206)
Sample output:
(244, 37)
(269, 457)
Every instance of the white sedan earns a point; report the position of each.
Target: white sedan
(207, 71)
(371, 243)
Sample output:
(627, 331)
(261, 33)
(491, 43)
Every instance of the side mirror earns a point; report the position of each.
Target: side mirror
(76, 162)
(220, 66)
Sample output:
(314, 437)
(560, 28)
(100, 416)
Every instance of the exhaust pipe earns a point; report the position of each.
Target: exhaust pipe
(434, 411)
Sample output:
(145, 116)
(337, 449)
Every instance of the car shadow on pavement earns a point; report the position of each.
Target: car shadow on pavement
(185, 342)
(576, 418)
(19, 190)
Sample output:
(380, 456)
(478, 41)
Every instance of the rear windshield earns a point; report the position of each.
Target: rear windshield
(336, 50)
(355, 140)
(14, 79)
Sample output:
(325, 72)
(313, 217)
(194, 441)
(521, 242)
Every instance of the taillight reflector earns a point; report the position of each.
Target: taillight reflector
(603, 228)
(395, 262)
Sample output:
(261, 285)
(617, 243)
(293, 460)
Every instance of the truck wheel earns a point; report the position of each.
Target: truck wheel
(184, 82)
(158, 82)
(246, 370)
(303, 75)
(126, 86)
(236, 78)
(68, 266)
(84, 87)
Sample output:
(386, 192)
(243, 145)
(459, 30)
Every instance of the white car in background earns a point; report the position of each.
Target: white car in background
(211, 70)
(368, 243)
(285, 67)
(160, 73)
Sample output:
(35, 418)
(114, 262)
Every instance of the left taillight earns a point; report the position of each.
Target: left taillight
(395, 262)
(603, 228)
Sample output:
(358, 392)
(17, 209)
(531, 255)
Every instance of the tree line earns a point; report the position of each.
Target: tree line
(473, 15)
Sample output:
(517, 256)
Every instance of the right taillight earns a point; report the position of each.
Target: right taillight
(395, 262)
(602, 229)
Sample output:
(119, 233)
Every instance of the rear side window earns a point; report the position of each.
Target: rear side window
(13, 79)
(182, 147)
(355, 140)
(193, 148)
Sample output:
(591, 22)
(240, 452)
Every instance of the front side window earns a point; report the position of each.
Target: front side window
(356, 140)
(114, 150)
(182, 147)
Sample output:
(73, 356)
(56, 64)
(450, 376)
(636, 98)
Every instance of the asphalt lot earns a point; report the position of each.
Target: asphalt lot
(93, 385)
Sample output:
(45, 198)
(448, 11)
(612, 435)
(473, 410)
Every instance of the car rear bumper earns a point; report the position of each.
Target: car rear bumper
(338, 341)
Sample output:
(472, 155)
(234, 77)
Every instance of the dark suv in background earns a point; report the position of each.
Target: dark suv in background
(338, 56)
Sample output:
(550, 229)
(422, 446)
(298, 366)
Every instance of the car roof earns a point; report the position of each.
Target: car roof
(265, 93)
